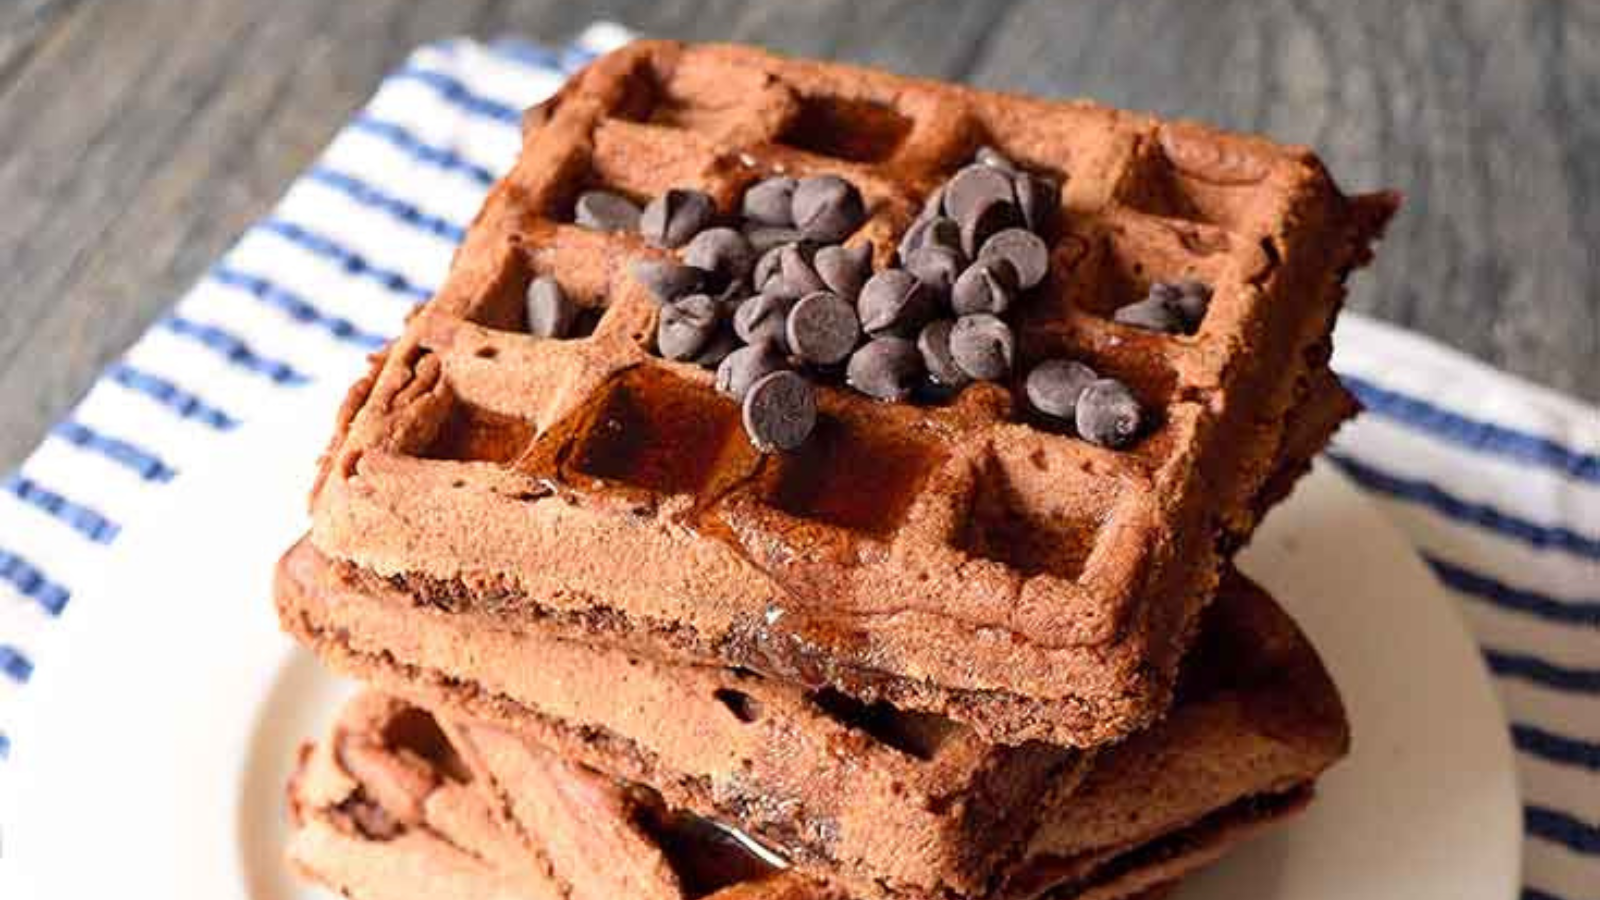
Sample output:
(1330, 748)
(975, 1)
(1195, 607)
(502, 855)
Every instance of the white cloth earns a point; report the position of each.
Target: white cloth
(1496, 481)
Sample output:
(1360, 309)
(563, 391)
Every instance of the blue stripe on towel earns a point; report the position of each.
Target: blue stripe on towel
(234, 349)
(296, 307)
(128, 455)
(28, 581)
(350, 261)
(1556, 748)
(574, 57)
(14, 664)
(458, 94)
(1562, 828)
(1560, 611)
(418, 149)
(186, 404)
(535, 56)
(1543, 537)
(1473, 434)
(82, 519)
(367, 195)
(1546, 674)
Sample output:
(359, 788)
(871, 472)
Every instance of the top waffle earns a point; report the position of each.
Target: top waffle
(965, 557)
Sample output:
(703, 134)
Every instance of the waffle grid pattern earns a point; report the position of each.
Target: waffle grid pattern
(1022, 530)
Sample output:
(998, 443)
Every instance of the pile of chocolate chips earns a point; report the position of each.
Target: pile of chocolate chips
(760, 303)
(778, 301)
(975, 251)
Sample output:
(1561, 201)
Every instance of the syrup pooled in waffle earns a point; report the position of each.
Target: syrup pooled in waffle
(967, 557)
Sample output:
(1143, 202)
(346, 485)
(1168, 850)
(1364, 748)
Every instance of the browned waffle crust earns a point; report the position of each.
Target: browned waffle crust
(890, 802)
(1258, 720)
(959, 559)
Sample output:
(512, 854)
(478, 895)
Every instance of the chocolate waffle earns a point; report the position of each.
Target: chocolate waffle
(1256, 722)
(963, 558)
(890, 802)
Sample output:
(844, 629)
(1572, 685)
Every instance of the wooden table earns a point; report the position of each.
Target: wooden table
(141, 136)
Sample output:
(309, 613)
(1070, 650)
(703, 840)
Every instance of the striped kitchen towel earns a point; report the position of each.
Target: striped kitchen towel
(1496, 481)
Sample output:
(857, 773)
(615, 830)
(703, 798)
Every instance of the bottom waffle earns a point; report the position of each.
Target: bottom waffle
(398, 805)
(386, 808)
(389, 808)
(1256, 722)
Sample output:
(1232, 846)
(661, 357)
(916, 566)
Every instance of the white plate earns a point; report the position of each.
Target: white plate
(162, 728)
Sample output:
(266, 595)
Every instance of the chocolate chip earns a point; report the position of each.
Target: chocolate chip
(1037, 198)
(666, 281)
(722, 251)
(768, 267)
(994, 159)
(675, 217)
(972, 189)
(606, 211)
(1054, 385)
(934, 344)
(894, 301)
(731, 295)
(1171, 307)
(826, 208)
(844, 269)
(1193, 299)
(936, 267)
(722, 343)
(746, 365)
(764, 238)
(767, 201)
(985, 287)
(1108, 414)
(888, 368)
(944, 233)
(989, 219)
(780, 287)
(798, 273)
(686, 326)
(982, 346)
(1024, 250)
(550, 313)
(763, 318)
(822, 329)
(780, 409)
(1153, 313)
(935, 231)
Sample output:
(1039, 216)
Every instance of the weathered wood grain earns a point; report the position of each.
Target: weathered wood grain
(138, 137)
(1486, 113)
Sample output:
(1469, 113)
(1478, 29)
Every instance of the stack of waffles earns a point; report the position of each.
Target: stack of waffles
(937, 645)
